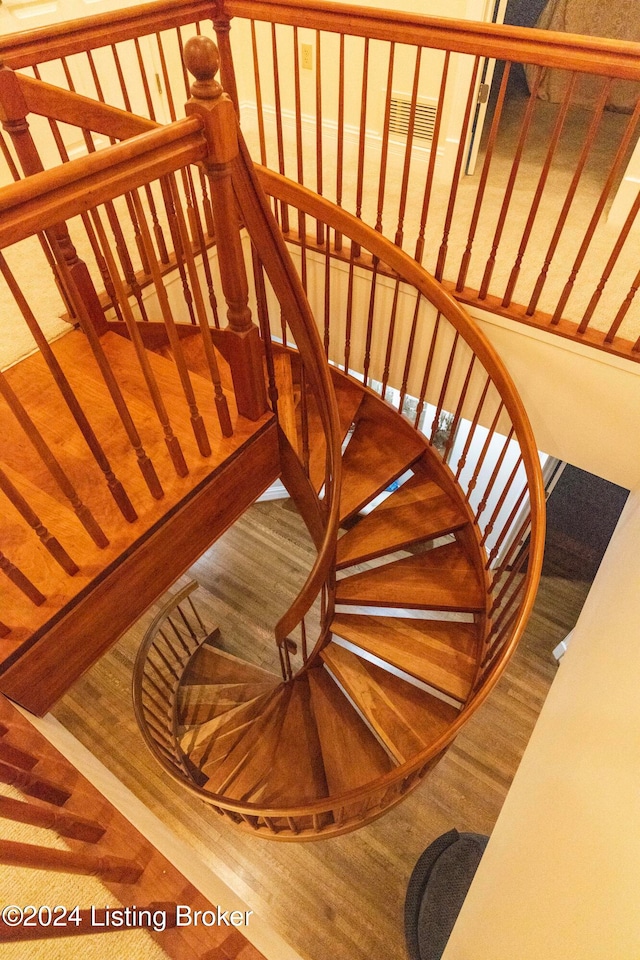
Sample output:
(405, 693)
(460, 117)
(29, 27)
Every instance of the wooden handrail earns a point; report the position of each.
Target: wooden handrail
(286, 284)
(605, 57)
(47, 198)
(75, 36)
(66, 106)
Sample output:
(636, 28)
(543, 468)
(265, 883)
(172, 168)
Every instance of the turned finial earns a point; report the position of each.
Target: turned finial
(202, 61)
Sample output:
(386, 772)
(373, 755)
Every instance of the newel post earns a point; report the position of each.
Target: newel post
(13, 115)
(243, 345)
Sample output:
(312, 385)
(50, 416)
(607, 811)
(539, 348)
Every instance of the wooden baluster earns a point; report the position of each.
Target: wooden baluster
(506, 488)
(15, 173)
(462, 462)
(220, 400)
(33, 785)
(121, 245)
(433, 154)
(157, 228)
(16, 757)
(483, 453)
(455, 180)
(427, 372)
(13, 113)
(337, 242)
(259, 108)
(458, 411)
(611, 262)
(392, 328)
(284, 210)
(533, 212)
(265, 329)
(48, 541)
(180, 244)
(41, 447)
(22, 582)
(298, 123)
(370, 319)
(516, 544)
(114, 485)
(115, 869)
(612, 177)
(193, 214)
(171, 441)
(319, 152)
(382, 182)
(482, 505)
(326, 339)
(362, 136)
(304, 420)
(445, 383)
(213, 303)
(408, 150)
(507, 525)
(86, 222)
(623, 310)
(144, 463)
(571, 192)
(197, 422)
(508, 193)
(409, 354)
(222, 27)
(486, 166)
(220, 120)
(349, 319)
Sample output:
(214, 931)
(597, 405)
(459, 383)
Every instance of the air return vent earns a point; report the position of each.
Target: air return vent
(400, 113)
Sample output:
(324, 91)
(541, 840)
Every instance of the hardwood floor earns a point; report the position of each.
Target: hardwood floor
(343, 897)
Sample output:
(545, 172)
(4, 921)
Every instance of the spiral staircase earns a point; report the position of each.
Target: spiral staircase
(428, 549)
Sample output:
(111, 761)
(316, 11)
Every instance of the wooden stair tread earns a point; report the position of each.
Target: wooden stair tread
(348, 398)
(351, 754)
(195, 742)
(441, 653)
(406, 718)
(440, 579)
(242, 769)
(34, 385)
(212, 665)
(296, 775)
(198, 703)
(382, 447)
(419, 510)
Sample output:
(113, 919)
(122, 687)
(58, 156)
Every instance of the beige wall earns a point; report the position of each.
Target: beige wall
(583, 404)
(560, 877)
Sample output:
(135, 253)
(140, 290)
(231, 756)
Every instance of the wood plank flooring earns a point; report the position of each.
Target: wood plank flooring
(343, 897)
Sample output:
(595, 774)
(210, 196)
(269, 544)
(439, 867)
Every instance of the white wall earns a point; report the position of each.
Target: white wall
(561, 874)
(583, 403)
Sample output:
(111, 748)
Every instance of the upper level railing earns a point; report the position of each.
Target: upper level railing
(521, 205)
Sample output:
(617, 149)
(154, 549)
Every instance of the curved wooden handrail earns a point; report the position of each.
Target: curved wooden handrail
(286, 284)
(411, 272)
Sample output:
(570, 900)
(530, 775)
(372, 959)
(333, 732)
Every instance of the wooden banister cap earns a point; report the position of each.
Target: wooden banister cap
(202, 60)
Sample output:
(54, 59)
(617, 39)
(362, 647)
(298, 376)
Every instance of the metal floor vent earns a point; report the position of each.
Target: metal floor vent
(400, 114)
